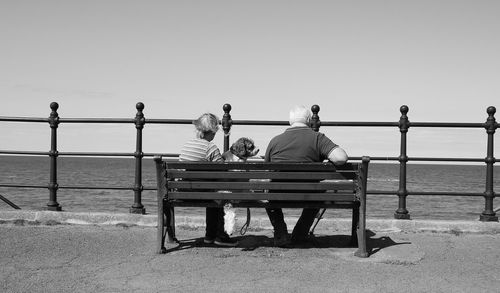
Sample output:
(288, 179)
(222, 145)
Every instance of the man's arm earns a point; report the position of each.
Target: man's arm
(338, 156)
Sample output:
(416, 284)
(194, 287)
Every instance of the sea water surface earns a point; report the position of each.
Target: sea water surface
(120, 172)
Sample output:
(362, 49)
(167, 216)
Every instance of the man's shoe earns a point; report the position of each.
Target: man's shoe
(281, 240)
(225, 241)
(303, 242)
(208, 240)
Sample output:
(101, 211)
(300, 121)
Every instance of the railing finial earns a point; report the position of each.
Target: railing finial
(54, 106)
(227, 108)
(54, 116)
(404, 123)
(315, 122)
(404, 110)
(139, 116)
(315, 109)
(226, 122)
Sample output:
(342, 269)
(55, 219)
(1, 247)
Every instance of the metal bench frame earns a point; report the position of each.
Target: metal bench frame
(261, 185)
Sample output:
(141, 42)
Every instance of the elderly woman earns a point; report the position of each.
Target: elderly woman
(201, 148)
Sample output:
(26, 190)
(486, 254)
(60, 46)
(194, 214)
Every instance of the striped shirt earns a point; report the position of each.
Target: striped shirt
(198, 149)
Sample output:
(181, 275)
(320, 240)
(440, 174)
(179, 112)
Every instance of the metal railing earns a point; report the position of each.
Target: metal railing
(227, 122)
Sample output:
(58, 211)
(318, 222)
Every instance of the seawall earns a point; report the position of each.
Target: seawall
(257, 223)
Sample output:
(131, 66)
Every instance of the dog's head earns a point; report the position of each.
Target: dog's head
(244, 148)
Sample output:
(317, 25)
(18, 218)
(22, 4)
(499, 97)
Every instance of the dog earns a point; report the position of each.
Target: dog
(240, 151)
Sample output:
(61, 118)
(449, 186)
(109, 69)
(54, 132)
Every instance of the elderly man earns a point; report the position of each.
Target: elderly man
(299, 143)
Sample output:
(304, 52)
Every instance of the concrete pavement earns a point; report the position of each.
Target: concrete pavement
(68, 252)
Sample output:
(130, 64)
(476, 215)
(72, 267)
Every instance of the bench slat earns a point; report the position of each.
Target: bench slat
(265, 204)
(259, 185)
(174, 173)
(310, 167)
(330, 196)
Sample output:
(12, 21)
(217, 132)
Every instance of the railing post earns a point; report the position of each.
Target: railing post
(315, 122)
(226, 122)
(491, 125)
(138, 208)
(404, 124)
(53, 205)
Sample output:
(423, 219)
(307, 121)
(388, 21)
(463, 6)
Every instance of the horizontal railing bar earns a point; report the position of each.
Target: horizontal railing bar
(382, 192)
(433, 159)
(374, 158)
(24, 119)
(163, 155)
(359, 123)
(68, 187)
(366, 123)
(169, 121)
(96, 120)
(423, 193)
(85, 154)
(23, 186)
(8, 152)
(174, 155)
(96, 187)
(97, 154)
(446, 159)
(247, 122)
(373, 192)
(260, 122)
(447, 124)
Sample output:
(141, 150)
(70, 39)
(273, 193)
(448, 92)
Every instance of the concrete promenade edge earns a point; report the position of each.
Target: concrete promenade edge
(257, 223)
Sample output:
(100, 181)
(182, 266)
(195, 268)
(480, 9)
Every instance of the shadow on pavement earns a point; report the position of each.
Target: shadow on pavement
(374, 245)
(252, 242)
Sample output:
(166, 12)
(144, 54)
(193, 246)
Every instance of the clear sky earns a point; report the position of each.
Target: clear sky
(358, 60)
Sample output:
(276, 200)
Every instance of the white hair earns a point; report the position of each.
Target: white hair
(300, 114)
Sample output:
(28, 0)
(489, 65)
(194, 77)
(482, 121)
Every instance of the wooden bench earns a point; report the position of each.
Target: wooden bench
(261, 185)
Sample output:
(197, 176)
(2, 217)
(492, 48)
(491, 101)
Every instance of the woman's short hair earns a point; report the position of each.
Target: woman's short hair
(206, 123)
(300, 114)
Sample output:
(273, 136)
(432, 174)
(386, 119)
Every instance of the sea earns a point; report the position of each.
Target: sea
(120, 172)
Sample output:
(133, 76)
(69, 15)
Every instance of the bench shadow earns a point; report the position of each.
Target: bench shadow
(182, 244)
(374, 244)
(252, 242)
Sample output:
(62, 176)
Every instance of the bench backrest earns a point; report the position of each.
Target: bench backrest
(248, 181)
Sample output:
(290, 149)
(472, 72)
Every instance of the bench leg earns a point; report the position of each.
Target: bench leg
(170, 219)
(361, 230)
(160, 234)
(354, 228)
